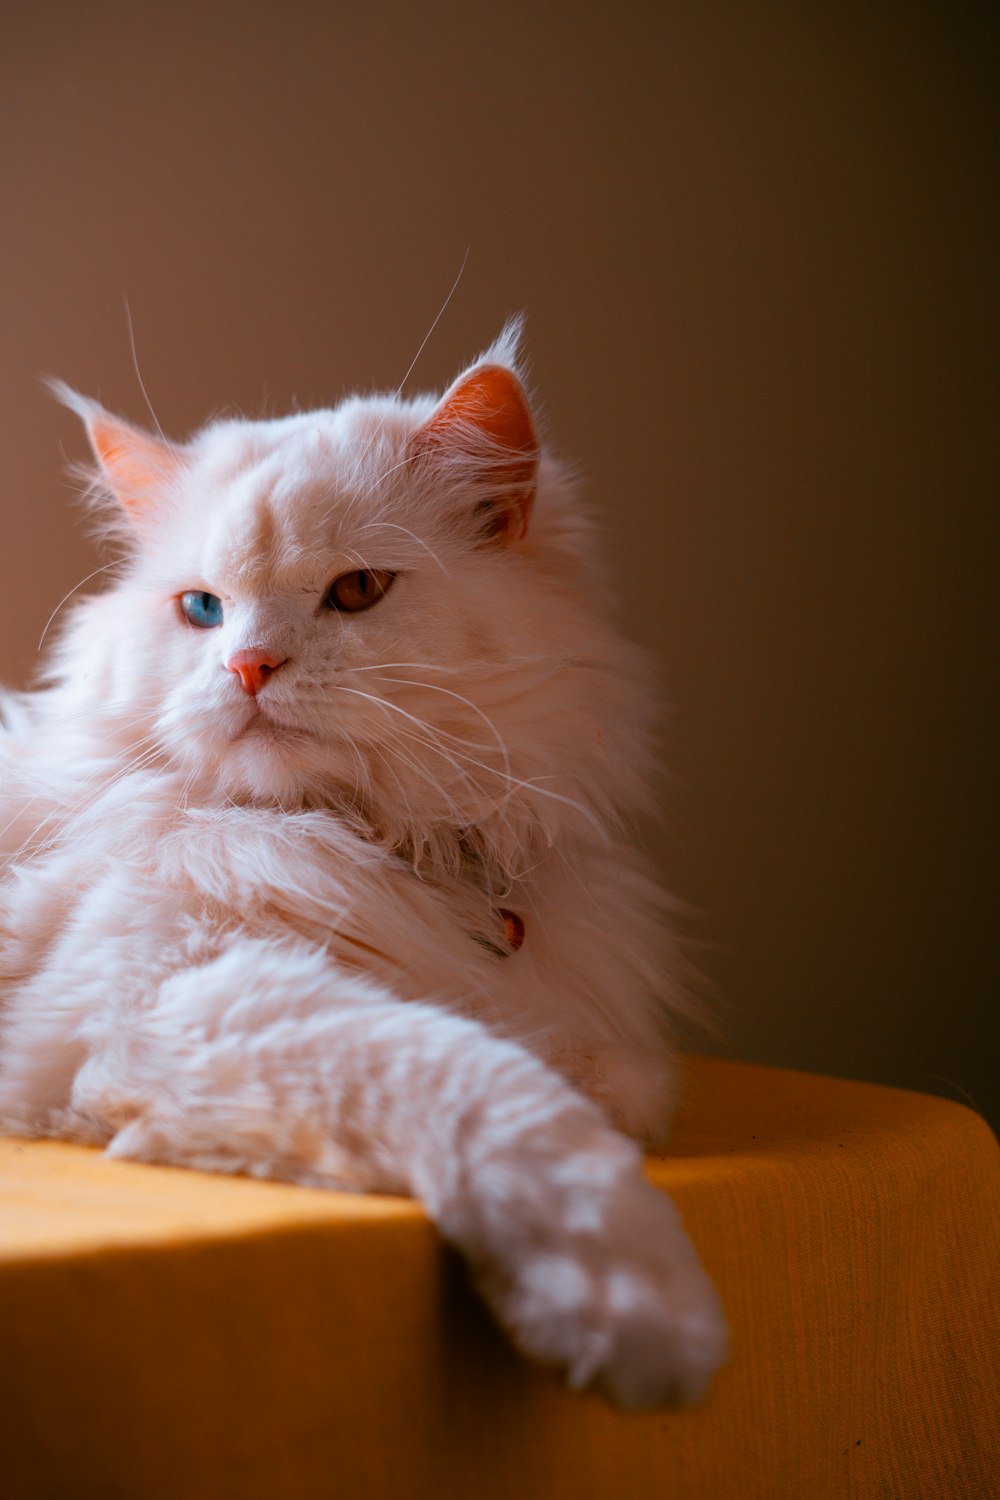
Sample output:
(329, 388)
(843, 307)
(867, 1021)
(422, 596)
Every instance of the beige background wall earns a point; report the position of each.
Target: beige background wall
(751, 239)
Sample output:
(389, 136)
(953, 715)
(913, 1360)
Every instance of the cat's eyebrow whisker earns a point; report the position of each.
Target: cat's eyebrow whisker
(413, 362)
(353, 556)
(440, 314)
(378, 479)
(344, 505)
(383, 474)
(359, 493)
(103, 569)
(396, 526)
(138, 373)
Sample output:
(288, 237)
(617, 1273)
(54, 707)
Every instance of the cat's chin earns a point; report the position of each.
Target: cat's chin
(275, 767)
(262, 764)
(261, 730)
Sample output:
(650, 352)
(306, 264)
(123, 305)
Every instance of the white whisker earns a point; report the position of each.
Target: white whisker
(413, 362)
(396, 526)
(138, 373)
(106, 567)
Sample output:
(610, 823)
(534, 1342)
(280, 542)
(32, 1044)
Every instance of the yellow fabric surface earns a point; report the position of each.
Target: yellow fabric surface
(169, 1334)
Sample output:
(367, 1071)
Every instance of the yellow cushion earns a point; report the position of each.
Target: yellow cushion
(170, 1334)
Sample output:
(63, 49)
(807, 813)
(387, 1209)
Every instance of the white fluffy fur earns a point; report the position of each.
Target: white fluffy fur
(241, 933)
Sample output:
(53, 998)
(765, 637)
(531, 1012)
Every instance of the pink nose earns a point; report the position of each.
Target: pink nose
(253, 667)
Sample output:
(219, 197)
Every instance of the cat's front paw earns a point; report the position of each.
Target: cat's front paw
(628, 1311)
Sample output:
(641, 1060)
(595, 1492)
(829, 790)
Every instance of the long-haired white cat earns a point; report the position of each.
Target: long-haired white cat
(314, 861)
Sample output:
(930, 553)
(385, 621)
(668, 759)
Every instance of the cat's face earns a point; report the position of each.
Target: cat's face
(316, 605)
(349, 605)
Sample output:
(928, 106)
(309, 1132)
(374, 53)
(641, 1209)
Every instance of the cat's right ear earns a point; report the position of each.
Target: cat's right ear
(134, 465)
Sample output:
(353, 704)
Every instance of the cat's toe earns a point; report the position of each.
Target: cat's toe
(661, 1349)
(644, 1330)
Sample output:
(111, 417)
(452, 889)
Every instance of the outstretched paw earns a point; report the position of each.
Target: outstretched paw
(627, 1311)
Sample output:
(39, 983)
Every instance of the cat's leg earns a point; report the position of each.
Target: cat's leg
(636, 1089)
(269, 1061)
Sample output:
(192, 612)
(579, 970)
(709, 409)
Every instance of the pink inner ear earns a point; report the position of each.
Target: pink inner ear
(134, 463)
(490, 399)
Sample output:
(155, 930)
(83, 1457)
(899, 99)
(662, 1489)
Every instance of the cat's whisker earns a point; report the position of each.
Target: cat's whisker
(356, 557)
(47, 720)
(534, 785)
(386, 703)
(433, 687)
(145, 755)
(10, 859)
(413, 362)
(384, 754)
(440, 314)
(189, 781)
(119, 770)
(362, 780)
(145, 752)
(515, 782)
(424, 772)
(490, 802)
(406, 531)
(138, 372)
(424, 737)
(67, 596)
(52, 828)
(417, 666)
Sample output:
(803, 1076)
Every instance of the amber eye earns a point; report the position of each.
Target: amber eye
(352, 592)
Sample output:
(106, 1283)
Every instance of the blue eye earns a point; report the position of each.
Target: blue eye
(203, 610)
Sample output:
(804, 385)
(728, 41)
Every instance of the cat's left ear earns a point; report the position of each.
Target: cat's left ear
(482, 433)
(136, 466)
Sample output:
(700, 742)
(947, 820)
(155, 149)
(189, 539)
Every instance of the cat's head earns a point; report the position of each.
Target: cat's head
(385, 606)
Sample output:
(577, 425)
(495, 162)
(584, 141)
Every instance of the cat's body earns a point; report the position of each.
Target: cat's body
(314, 861)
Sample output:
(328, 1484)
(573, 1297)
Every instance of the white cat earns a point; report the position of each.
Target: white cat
(314, 861)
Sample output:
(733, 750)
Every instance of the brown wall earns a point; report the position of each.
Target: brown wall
(751, 239)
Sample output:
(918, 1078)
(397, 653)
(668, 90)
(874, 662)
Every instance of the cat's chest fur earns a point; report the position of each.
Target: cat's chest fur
(147, 882)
